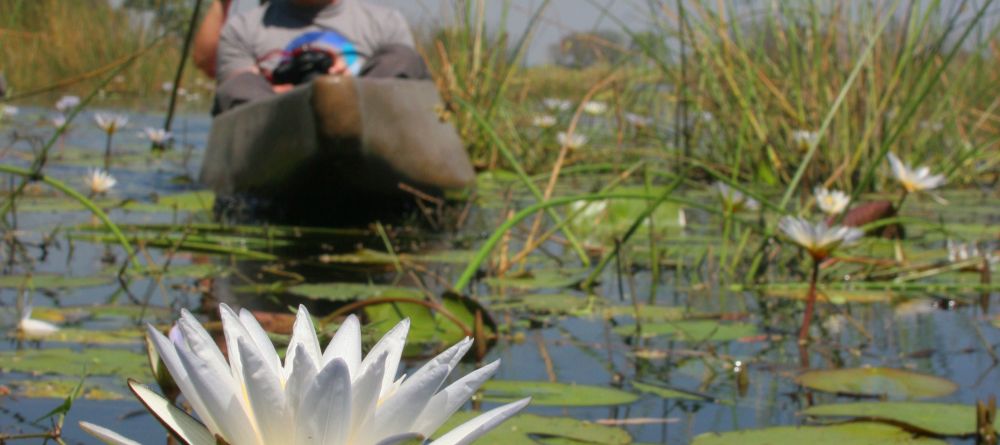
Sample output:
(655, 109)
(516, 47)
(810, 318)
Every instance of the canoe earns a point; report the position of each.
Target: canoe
(335, 147)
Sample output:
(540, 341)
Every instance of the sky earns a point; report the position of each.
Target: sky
(560, 18)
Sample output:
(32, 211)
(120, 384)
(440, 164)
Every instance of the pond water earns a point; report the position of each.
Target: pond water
(711, 355)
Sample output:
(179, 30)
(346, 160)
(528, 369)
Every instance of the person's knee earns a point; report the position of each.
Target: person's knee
(396, 60)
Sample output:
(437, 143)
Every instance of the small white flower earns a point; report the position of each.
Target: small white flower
(110, 123)
(589, 210)
(914, 179)
(58, 121)
(682, 220)
(9, 110)
(638, 121)
(34, 329)
(332, 396)
(804, 138)
(157, 136)
(734, 200)
(820, 240)
(556, 104)
(66, 102)
(831, 202)
(543, 121)
(100, 181)
(594, 107)
(167, 87)
(572, 141)
(706, 117)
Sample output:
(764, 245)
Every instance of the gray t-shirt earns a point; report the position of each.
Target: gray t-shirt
(263, 36)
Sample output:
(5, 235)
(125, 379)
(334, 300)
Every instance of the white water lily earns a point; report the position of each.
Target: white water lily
(34, 329)
(556, 104)
(914, 179)
(110, 123)
(820, 240)
(638, 121)
(58, 121)
(157, 136)
(100, 181)
(66, 102)
(594, 107)
(575, 140)
(804, 138)
(331, 396)
(734, 200)
(543, 121)
(9, 111)
(831, 202)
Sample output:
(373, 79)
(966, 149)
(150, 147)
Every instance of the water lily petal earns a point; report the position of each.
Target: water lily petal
(325, 412)
(346, 344)
(261, 339)
(296, 387)
(450, 399)
(449, 357)
(366, 389)
(201, 343)
(105, 435)
(180, 423)
(304, 333)
(221, 399)
(393, 343)
(397, 414)
(400, 438)
(265, 394)
(168, 353)
(469, 431)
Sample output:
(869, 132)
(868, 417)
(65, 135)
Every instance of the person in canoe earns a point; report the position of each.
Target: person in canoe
(282, 43)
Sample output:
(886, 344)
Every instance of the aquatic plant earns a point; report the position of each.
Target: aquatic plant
(804, 138)
(110, 123)
(66, 103)
(32, 329)
(556, 104)
(831, 202)
(8, 111)
(914, 179)
(332, 396)
(100, 181)
(734, 201)
(594, 107)
(575, 140)
(58, 121)
(159, 137)
(543, 121)
(819, 240)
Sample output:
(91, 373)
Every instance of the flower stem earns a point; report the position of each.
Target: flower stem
(810, 304)
(902, 199)
(107, 153)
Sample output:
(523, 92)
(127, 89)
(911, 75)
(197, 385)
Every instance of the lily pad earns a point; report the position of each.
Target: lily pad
(668, 393)
(555, 394)
(116, 362)
(878, 382)
(529, 428)
(96, 336)
(197, 201)
(539, 279)
(835, 296)
(59, 389)
(646, 313)
(944, 419)
(353, 291)
(693, 330)
(427, 327)
(846, 434)
(52, 281)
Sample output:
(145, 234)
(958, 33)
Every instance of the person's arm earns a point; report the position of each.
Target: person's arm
(206, 40)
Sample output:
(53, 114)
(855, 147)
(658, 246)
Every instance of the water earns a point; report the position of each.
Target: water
(584, 343)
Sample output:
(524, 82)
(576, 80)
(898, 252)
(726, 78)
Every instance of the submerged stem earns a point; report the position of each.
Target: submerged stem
(810, 303)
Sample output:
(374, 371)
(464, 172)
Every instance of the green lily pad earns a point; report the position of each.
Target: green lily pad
(835, 296)
(529, 428)
(52, 281)
(846, 434)
(668, 393)
(353, 291)
(878, 382)
(59, 389)
(646, 313)
(116, 362)
(555, 394)
(198, 201)
(539, 279)
(98, 336)
(693, 330)
(944, 419)
(369, 256)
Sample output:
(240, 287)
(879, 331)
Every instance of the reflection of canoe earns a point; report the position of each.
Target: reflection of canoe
(337, 145)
